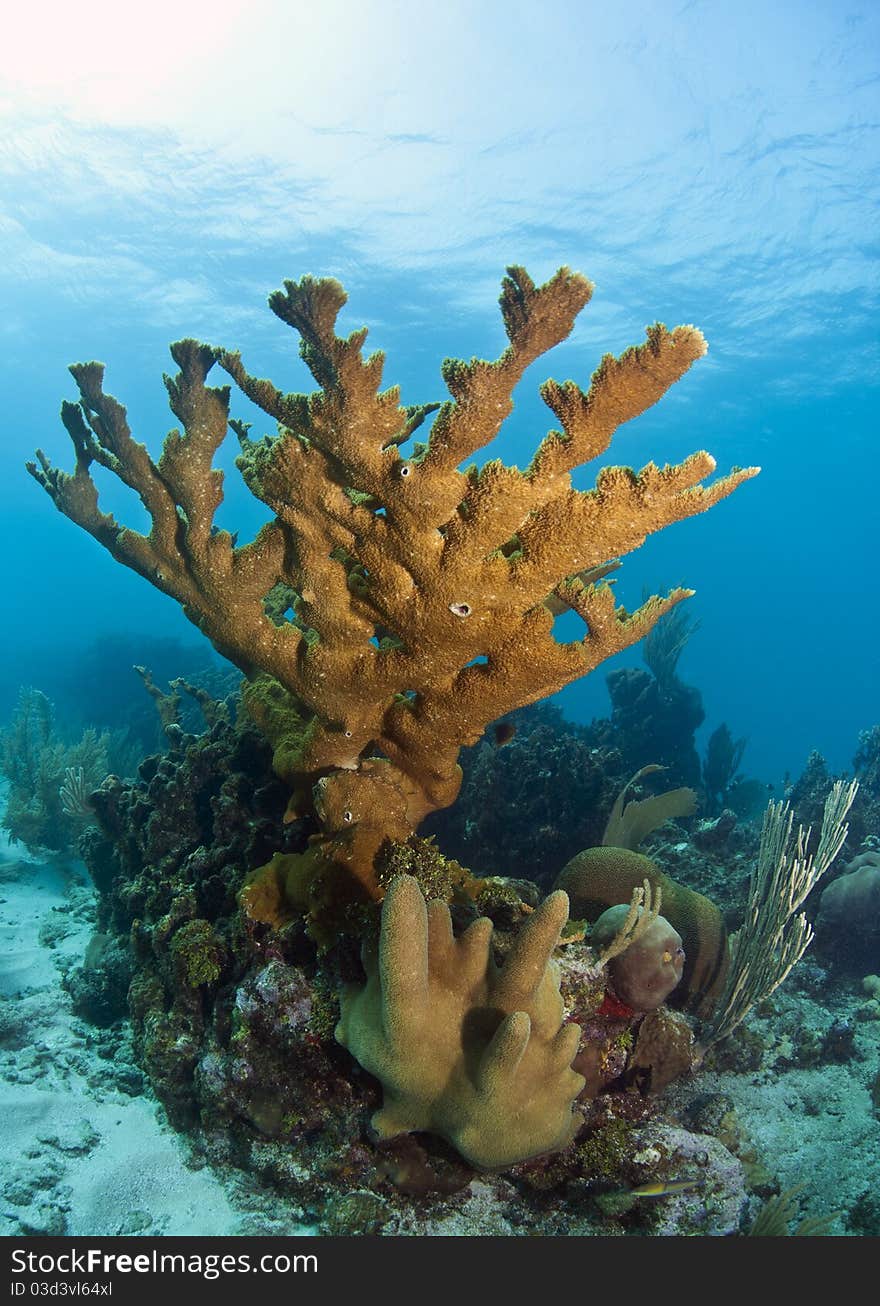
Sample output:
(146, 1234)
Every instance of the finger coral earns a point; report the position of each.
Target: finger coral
(393, 605)
(475, 1053)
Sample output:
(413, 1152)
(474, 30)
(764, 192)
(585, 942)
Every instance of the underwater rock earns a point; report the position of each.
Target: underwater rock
(99, 988)
(277, 1070)
(848, 924)
(650, 723)
(716, 1206)
(839, 1042)
(358, 1212)
(714, 833)
(663, 1051)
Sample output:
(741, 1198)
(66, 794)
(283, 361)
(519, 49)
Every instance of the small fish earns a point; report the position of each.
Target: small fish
(504, 732)
(664, 1188)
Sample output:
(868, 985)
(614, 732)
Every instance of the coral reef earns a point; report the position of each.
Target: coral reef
(234, 1021)
(550, 790)
(720, 766)
(528, 806)
(723, 980)
(270, 1063)
(169, 860)
(393, 608)
(400, 603)
(96, 685)
(652, 723)
(49, 780)
(282, 1141)
(631, 822)
(99, 987)
(775, 934)
(664, 644)
(808, 794)
(599, 878)
(866, 765)
(654, 717)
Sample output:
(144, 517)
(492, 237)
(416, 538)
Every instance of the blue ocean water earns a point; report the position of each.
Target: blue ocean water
(700, 162)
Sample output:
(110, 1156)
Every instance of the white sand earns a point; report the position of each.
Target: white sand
(78, 1154)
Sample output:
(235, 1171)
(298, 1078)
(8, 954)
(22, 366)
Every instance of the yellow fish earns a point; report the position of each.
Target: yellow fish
(663, 1188)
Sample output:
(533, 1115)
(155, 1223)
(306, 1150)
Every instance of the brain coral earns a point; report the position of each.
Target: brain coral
(849, 910)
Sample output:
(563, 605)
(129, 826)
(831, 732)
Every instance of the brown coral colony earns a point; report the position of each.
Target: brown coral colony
(394, 606)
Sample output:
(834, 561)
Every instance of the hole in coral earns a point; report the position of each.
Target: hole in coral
(568, 626)
(405, 448)
(116, 498)
(280, 604)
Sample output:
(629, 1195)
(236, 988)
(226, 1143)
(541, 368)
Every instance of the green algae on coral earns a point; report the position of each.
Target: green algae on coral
(198, 953)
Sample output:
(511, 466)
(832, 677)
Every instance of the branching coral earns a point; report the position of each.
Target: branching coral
(400, 603)
(664, 644)
(477, 1054)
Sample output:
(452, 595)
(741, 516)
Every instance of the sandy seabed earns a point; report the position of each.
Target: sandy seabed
(84, 1148)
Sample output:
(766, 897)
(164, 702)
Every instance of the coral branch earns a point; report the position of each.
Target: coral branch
(418, 598)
